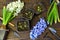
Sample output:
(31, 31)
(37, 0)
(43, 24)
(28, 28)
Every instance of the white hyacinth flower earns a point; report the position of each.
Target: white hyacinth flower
(15, 7)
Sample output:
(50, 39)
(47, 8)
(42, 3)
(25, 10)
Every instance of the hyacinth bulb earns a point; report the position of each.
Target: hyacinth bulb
(38, 29)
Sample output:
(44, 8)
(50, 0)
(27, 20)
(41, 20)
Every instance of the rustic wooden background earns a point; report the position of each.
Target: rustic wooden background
(31, 4)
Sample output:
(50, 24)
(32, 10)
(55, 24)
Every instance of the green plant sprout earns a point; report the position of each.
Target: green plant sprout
(28, 14)
(52, 15)
(11, 10)
(22, 25)
(39, 9)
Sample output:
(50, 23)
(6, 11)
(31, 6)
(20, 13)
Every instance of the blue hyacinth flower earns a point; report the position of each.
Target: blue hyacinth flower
(38, 29)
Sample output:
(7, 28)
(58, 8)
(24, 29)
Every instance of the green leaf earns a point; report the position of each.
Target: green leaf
(8, 18)
(4, 14)
(7, 14)
(49, 13)
(51, 21)
(49, 10)
(49, 16)
(55, 13)
(11, 17)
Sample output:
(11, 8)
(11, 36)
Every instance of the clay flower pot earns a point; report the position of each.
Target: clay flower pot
(22, 24)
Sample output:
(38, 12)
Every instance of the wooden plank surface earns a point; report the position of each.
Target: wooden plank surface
(25, 35)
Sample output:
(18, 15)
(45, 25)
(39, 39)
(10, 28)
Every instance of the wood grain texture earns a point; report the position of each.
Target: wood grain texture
(25, 35)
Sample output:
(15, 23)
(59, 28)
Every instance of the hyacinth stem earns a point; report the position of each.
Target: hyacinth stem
(49, 9)
(9, 22)
(4, 14)
(7, 16)
(11, 18)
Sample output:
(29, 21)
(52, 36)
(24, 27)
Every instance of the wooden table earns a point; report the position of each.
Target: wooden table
(25, 35)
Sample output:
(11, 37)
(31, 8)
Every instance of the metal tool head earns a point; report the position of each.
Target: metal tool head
(52, 30)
